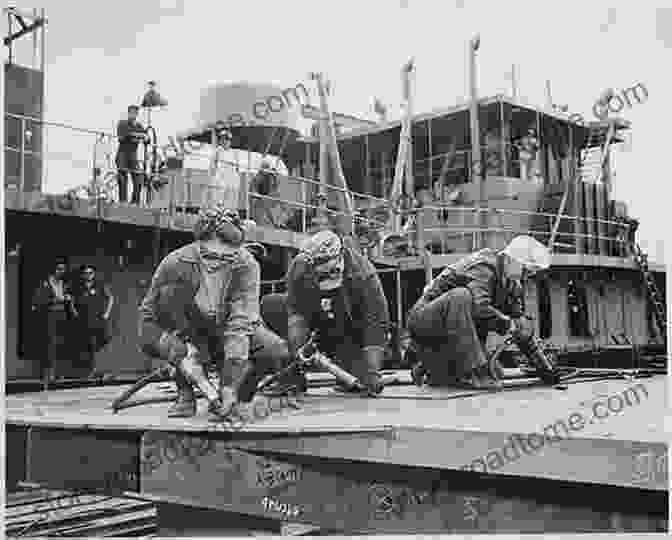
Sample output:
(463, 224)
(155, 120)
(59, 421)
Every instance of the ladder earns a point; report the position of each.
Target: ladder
(593, 156)
(654, 294)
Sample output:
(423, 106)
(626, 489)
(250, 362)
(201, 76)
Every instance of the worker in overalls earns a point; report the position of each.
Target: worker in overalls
(203, 306)
(335, 290)
(468, 299)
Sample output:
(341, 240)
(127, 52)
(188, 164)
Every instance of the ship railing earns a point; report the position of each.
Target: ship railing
(453, 229)
(38, 150)
(294, 205)
(499, 159)
(449, 228)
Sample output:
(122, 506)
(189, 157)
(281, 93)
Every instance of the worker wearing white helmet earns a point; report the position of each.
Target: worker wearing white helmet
(465, 302)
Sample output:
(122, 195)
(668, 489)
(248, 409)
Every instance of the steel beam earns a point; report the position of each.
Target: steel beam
(213, 472)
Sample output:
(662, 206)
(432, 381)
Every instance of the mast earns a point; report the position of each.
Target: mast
(403, 171)
(331, 171)
(476, 163)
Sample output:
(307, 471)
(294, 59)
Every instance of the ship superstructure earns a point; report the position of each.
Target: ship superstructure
(418, 193)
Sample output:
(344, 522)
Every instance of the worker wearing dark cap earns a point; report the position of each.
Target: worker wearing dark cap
(130, 133)
(202, 306)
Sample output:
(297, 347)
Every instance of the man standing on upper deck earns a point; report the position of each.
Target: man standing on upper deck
(130, 133)
(467, 300)
(335, 290)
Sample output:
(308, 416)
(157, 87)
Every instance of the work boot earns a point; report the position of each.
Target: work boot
(185, 405)
(419, 373)
(480, 379)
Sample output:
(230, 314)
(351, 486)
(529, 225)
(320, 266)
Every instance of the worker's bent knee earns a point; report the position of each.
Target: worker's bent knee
(272, 357)
(149, 336)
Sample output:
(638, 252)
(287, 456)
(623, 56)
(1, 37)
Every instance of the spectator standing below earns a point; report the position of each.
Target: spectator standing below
(528, 148)
(52, 302)
(93, 307)
(130, 133)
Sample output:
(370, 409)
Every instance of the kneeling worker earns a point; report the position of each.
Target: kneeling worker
(202, 306)
(466, 301)
(333, 289)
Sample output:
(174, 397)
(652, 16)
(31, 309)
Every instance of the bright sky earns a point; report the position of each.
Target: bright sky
(101, 54)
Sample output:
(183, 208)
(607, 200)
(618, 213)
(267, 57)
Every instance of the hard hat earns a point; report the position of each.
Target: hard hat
(529, 252)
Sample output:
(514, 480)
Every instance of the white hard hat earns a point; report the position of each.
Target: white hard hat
(529, 252)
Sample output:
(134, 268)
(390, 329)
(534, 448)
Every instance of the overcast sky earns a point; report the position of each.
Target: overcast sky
(101, 54)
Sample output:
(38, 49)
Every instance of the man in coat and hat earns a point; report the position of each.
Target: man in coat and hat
(467, 300)
(203, 306)
(335, 290)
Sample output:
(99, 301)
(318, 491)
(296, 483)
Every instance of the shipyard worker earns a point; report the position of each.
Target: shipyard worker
(333, 289)
(467, 300)
(52, 304)
(528, 148)
(203, 306)
(93, 302)
(268, 212)
(130, 133)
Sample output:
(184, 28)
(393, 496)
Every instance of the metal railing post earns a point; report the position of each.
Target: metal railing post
(304, 210)
(400, 310)
(22, 160)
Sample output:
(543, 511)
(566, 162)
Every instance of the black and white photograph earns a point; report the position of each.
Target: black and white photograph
(335, 268)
